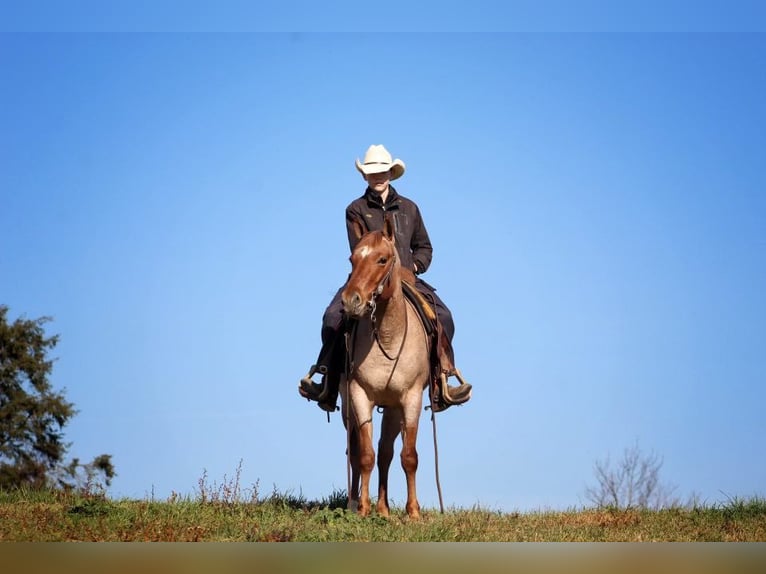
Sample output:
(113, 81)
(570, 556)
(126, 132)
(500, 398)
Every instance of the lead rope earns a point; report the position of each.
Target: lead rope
(380, 346)
(350, 337)
(436, 448)
(430, 400)
(433, 427)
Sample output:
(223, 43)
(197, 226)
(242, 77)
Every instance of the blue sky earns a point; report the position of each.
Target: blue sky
(596, 203)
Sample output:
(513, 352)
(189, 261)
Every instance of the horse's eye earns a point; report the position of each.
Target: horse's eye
(382, 260)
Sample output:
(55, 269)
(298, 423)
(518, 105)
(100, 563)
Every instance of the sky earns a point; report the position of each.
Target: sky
(175, 203)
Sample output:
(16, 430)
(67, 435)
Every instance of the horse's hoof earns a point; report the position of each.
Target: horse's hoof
(414, 512)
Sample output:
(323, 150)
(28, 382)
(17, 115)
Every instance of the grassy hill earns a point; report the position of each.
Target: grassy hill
(59, 516)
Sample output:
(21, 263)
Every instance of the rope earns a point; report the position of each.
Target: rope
(401, 345)
(436, 451)
(350, 337)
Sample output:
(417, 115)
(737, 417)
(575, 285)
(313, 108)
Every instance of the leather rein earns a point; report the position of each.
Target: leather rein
(350, 336)
(373, 307)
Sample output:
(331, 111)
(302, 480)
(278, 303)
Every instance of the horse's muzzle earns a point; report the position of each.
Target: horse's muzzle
(354, 305)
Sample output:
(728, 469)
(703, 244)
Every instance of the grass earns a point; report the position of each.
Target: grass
(227, 512)
(216, 515)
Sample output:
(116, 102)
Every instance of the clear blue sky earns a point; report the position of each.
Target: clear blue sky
(596, 202)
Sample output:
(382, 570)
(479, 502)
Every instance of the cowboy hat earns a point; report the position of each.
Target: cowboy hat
(377, 160)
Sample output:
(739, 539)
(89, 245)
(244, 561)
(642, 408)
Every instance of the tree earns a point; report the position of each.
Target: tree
(33, 415)
(633, 483)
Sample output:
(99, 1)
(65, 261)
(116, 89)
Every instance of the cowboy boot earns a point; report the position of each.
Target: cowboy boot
(326, 392)
(444, 395)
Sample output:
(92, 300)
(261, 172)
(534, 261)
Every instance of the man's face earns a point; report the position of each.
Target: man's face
(378, 182)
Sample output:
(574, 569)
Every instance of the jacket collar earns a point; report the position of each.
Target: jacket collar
(374, 199)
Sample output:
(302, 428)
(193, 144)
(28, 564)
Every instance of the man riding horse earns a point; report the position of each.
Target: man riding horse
(381, 201)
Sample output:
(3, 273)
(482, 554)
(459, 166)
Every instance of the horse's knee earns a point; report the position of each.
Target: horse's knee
(367, 461)
(410, 460)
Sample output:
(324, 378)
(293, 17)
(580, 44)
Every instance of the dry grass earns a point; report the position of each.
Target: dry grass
(223, 514)
(227, 512)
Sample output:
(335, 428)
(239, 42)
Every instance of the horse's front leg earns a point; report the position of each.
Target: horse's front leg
(410, 460)
(362, 408)
(353, 455)
(366, 464)
(352, 446)
(390, 427)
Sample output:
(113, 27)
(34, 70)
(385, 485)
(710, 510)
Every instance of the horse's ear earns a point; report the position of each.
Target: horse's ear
(388, 228)
(357, 227)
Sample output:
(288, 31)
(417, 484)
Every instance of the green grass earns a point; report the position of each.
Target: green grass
(225, 514)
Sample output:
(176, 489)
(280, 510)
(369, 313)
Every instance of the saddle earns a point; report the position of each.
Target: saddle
(441, 354)
(441, 360)
(422, 306)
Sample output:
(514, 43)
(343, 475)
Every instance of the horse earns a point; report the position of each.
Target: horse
(388, 366)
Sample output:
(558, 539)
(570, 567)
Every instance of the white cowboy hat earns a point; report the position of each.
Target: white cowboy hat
(377, 160)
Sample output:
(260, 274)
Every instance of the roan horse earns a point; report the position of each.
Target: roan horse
(388, 367)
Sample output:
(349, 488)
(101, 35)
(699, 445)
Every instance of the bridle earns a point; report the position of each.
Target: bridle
(350, 337)
(372, 304)
(378, 291)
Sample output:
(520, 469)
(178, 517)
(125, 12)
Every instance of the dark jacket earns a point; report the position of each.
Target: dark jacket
(412, 240)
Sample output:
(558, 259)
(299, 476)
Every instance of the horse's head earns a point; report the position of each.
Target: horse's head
(374, 265)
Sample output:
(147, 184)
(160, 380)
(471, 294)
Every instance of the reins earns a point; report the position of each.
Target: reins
(374, 306)
(350, 339)
(436, 448)
(377, 337)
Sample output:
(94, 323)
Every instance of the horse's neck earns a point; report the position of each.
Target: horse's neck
(391, 317)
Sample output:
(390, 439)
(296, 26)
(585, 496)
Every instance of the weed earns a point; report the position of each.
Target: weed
(228, 492)
(226, 512)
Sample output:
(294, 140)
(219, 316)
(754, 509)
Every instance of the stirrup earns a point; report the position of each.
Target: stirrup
(318, 392)
(310, 390)
(447, 396)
